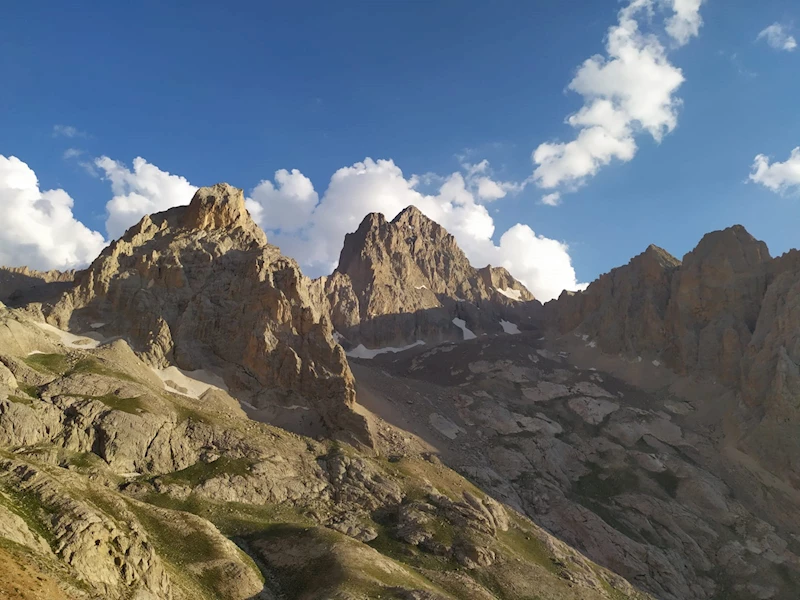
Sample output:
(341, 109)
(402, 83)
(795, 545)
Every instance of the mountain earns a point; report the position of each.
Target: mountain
(130, 466)
(405, 281)
(198, 287)
(726, 312)
(181, 420)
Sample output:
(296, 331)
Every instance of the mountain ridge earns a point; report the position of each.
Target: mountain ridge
(192, 380)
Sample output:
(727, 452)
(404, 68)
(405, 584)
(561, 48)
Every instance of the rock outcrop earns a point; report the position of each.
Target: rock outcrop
(198, 287)
(697, 315)
(21, 285)
(727, 312)
(406, 280)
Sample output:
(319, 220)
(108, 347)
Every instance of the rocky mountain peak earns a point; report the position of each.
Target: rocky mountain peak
(734, 246)
(659, 256)
(407, 280)
(197, 287)
(220, 206)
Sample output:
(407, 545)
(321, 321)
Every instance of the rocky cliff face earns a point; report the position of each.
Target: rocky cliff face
(406, 280)
(199, 287)
(726, 312)
(21, 285)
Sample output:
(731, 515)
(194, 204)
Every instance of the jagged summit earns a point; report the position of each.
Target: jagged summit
(407, 279)
(199, 288)
(219, 206)
(659, 255)
(733, 244)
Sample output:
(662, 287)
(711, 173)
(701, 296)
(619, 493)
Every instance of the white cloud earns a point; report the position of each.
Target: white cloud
(285, 206)
(542, 264)
(145, 190)
(685, 23)
(309, 228)
(71, 153)
(629, 91)
(479, 180)
(39, 229)
(67, 131)
(778, 37)
(553, 199)
(779, 177)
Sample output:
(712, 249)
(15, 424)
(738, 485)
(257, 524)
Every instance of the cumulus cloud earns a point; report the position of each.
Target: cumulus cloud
(777, 36)
(39, 229)
(285, 205)
(310, 228)
(144, 190)
(480, 181)
(542, 264)
(553, 199)
(67, 131)
(777, 176)
(629, 91)
(686, 22)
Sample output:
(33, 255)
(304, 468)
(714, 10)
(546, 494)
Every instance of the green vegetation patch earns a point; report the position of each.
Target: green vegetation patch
(331, 562)
(29, 507)
(527, 546)
(602, 486)
(64, 365)
(185, 413)
(201, 472)
(48, 364)
(21, 400)
(181, 544)
(31, 390)
(94, 366)
(86, 460)
(133, 406)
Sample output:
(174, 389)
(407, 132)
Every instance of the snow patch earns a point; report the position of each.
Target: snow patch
(68, 339)
(592, 344)
(462, 325)
(97, 325)
(337, 337)
(196, 383)
(361, 351)
(509, 327)
(509, 293)
(420, 287)
(35, 352)
(656, 363)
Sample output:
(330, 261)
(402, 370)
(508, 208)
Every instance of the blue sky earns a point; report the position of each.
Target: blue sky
(237, 94)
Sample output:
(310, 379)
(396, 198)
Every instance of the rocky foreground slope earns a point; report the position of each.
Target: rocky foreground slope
(115, 485)
(181, 420)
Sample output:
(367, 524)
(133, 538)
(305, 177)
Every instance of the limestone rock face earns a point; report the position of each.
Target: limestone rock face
(727, 312)
(406, 280)
(220, 206)
(697, 314)
(625, 309)
(200, 288)
(21, 285)
(714, 303)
